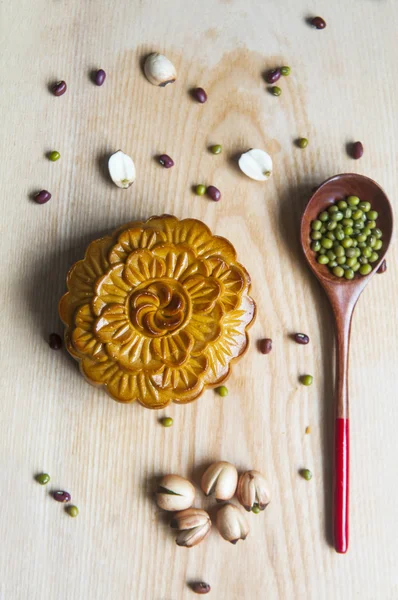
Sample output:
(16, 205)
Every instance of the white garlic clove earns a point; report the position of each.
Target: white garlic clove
(253, 490)
(159, 70)
(175, 493)
(232, 523)
(121, 169)
(256, 164)
(221, 478)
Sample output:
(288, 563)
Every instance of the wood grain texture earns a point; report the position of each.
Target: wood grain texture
(342, 88)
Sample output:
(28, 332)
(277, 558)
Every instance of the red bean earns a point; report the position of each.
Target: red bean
(55, 341)
(265, 346)
(357, 150)
(200, 587)
(42, 197)
(213, 193)
(318, 23)
(383, 267)
(200, 95)
(301, 338)
(59, 88)
(273, 76)
(166, 161)
(61, 496)
(100, 77)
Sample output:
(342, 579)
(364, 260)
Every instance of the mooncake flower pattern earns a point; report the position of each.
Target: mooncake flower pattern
(157, 311)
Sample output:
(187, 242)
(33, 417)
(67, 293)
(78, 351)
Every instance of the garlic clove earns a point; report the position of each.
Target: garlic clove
(175, 493)
(159, 70)
(121, 169)
(190, 518)
(221, 478)
(232, 523)
(253, 490)
(256, 164)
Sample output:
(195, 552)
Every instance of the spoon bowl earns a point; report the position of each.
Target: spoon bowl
(338, 188)
(343, 295)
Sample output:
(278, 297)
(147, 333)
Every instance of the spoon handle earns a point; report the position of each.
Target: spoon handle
(341, 484)
(342, 433)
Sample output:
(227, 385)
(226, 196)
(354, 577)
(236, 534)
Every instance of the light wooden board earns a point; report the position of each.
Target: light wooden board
(343, 87)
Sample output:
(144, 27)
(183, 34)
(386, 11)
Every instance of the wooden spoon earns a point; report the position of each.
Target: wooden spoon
(343, 295)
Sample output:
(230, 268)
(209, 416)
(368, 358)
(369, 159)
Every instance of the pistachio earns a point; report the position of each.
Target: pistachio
(121, 169)
(232, 523)
(221, 478)
(159, 70)
(256, 164)
(175, 493)
(253, 491)
(193, 525)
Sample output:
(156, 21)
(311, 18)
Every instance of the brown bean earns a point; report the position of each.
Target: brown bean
(265, 346)
(200, 587)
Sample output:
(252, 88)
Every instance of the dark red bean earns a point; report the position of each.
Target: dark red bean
(200, 587)
(200, 95)
(42, 197)
(55, 341)
(265, 345)
(301, 338)
(357, 150)
(383, 267)
(213, 193)
(166, 161)
(273, 75)
(59, 88)
(100, 77)
(61, 496)
(318, 23)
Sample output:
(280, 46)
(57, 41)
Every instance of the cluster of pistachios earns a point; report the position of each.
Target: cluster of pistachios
(176, 494)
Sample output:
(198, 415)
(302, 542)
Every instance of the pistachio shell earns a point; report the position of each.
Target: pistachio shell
(232, 523)
(189, 518)
(175, 493)
(194, 526)
(253, 490)
(221, 478)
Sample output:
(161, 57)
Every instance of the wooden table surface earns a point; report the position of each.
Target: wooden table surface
(343, 87)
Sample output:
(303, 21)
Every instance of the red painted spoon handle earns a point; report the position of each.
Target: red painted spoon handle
(342, 433)
(341, 484)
